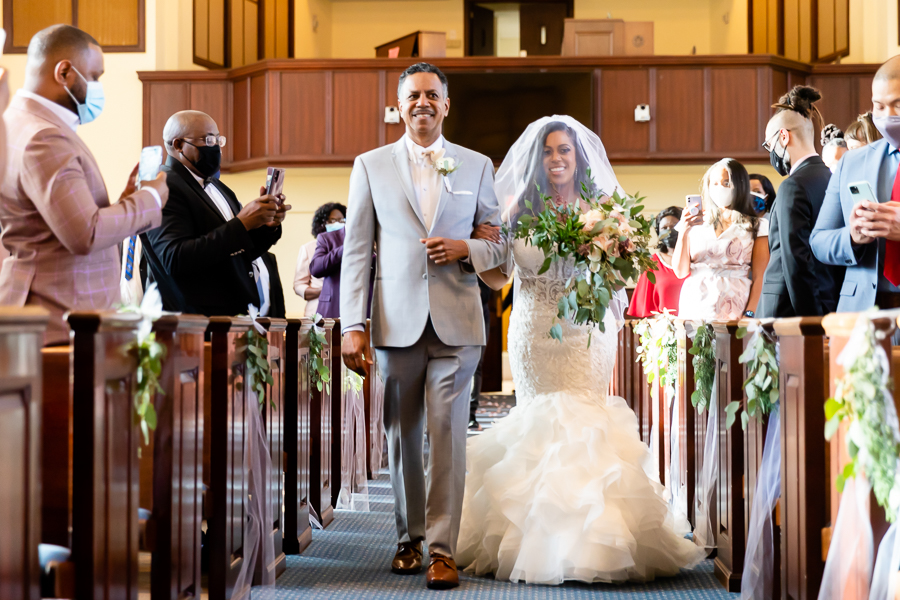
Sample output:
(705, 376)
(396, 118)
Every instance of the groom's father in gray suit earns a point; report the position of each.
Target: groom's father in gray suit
(418, 201)
(865, 236)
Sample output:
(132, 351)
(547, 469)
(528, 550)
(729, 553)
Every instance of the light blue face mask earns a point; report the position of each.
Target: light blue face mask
(333, 226)
(93, 100)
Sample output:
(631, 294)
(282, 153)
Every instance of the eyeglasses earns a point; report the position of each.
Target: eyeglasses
(211, 140)
(333, 221)
(768, 144)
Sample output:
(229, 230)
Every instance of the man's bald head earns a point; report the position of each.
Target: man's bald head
(56, 43)
(886, 89)
(190, 124)
(889, 70)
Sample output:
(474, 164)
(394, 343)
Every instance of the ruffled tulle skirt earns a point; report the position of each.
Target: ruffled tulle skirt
(559, 490)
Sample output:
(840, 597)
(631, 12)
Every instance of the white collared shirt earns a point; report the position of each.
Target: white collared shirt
(801, 161)
(260, 272)
(426, 181)
(68, 117)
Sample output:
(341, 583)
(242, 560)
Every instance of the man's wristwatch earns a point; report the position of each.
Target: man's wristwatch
(750, 313)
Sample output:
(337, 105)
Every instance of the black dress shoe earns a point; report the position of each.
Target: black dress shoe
(474, 425)
(408, 560)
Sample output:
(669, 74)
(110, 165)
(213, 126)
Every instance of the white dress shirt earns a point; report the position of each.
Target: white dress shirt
(260, 272)
(426, 181)
(800, 161)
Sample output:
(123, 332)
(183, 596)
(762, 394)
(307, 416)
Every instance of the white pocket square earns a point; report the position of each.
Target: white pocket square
(462, 193)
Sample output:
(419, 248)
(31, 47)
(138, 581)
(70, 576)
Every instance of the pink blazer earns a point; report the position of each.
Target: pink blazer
(57, 222)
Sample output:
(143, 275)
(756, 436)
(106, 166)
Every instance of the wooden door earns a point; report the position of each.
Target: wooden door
(541, 28)
(481, 31)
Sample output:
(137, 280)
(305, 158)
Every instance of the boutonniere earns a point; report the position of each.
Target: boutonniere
(443, 164)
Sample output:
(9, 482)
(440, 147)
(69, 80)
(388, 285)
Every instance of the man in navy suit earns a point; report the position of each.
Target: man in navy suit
(865, 236)
(326, 265)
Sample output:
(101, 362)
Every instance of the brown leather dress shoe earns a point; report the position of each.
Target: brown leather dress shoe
(442, 573)
(408, 560)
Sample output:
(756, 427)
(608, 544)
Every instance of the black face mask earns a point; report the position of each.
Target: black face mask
(667, 240)
(782, 163)
(210, 160)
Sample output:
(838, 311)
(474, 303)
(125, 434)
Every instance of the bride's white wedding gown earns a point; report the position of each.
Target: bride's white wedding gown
(558, 490)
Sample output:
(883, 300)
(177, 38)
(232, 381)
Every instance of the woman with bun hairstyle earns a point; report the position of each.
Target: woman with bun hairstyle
(861, 132)
(833, 146)
(795, 283)
(653, 297)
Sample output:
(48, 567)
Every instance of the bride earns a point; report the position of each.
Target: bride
(559, 489)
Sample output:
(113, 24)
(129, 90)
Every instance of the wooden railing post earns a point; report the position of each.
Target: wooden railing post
(225, 412)
(297, 532)
(337, 414)
(173, 532)
(105, 470)
(272, 413)
(21, 337)
(320, 440)
(804, 512)
(730, 538)
(686, 427)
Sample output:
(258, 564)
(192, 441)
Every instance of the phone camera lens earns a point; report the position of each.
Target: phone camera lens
(854, 189)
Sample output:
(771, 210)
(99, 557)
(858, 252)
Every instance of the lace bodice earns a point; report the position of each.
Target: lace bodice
(539, 363)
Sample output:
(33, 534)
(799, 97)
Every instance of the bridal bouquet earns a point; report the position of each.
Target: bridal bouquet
(608, 239)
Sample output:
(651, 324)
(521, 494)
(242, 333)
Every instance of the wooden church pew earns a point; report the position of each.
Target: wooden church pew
(224, 415)
(804, 377)
(21, 337)
(320, 441)
(272, 413)
(175, 459)
(296, 415)
(338, 428)
(688, 421)
(105, 471)
(730, 538)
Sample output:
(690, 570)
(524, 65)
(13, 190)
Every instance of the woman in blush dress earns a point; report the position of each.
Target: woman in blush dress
(724, 248)
(663, 293)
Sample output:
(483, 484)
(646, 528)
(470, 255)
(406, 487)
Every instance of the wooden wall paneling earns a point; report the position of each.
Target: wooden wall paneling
(214, 98)
(117, 24)
(165, 99)
(356, 110)
(826, 27)
(236, 32)
(844, 96)
(21, 338)
(23, 18)
(679, 110)
(177, 459)
(393, 132)
(775, 26)
(297, 394)
(224, 413)
(792, 29)
(808, 25)
(734, 96)
(842, 27)
(626, 88)
(730, 538)
(105, 442)
(778, 85)
(259, 116)
(56, 446)
(242, 125)
(252, 51)
(303, 114)
(804, 480)
(758, 34)
(212, 34)
(272, 411)
(201, 31)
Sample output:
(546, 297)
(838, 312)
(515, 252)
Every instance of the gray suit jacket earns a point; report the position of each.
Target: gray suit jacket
(830, 238)
(383, 212)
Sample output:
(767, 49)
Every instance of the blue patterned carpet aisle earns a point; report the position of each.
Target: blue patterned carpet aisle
(351, 559)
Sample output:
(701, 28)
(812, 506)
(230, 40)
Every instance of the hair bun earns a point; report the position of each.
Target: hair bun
(800, 99)
(831, 132)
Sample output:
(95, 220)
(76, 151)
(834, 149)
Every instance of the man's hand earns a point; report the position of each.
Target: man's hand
(280, 212)
(356, 352)
(259, 212)
(443, 251)
(159, 184)
(880, 220)
(860, 218)
(488, 232)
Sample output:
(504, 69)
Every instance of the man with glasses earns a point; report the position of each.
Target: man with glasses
(211, 255)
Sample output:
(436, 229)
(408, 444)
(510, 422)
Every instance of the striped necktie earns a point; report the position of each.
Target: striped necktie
(129, 261)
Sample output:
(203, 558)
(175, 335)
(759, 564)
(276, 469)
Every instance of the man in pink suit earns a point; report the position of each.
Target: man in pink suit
(56, 219)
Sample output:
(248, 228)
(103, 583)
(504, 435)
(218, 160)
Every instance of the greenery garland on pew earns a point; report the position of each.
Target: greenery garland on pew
(704, 362)
(659, 348)
(259, 371)
(762, 379)
(321, 373)
(860, 398)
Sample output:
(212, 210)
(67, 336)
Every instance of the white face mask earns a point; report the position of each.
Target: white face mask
(722, 196)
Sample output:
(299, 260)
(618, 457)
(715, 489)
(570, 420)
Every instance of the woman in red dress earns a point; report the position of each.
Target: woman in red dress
(650, 298)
